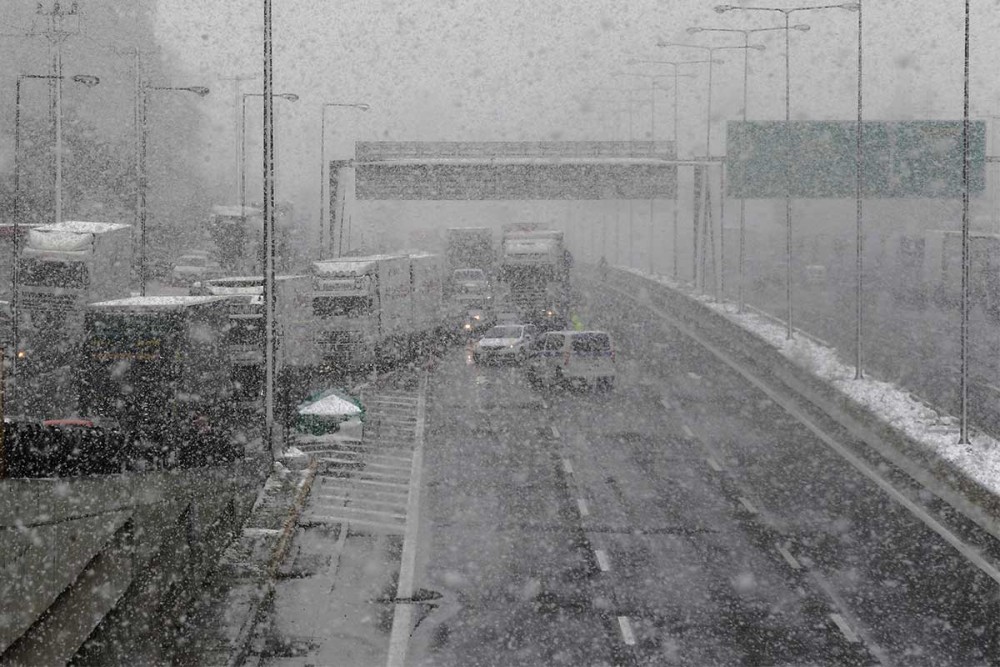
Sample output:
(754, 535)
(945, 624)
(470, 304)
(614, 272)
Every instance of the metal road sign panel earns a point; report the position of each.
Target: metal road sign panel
(816, 159)
(550, 170)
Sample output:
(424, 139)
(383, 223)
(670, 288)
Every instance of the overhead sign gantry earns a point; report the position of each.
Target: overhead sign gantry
(515, 170)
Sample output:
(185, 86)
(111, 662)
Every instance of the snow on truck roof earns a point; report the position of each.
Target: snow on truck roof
(351, 263)
(158, 302)
(81, 227)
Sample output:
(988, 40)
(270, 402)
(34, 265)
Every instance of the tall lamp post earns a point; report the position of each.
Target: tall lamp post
(323, 166)
(652, 135)
(746, 72)
(291, 97)
(143, 105)
(675, 64)
(629, 107)
(708, 136)
(787, 13)
(90, 81)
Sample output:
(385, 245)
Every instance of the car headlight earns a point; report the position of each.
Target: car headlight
(467, 327)
(476, 317)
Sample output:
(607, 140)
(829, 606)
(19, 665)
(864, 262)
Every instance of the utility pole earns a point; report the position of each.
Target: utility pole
(237, 81)
(59, 24)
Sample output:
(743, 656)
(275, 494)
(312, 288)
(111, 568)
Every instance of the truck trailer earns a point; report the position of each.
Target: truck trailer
(294, 347)
(63, 267)
(470, 248)
(374, 309)
(158, 366)
(534, 274)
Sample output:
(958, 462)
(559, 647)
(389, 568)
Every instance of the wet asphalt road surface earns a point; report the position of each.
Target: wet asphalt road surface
(684, 518)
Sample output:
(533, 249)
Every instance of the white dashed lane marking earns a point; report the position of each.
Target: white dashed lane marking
(626, 629)
(567, 466)
(602, 560)
(748, 505)
(581, 504)
(789, 558)
(555, 432)
(839, 621)
(713, 464)
(687, 431)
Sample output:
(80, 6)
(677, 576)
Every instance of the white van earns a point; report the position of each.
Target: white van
(573, 357)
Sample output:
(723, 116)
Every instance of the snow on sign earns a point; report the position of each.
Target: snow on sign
(817, 159)
(499, 170)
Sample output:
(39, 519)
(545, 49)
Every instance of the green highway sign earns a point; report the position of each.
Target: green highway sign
(816, 159)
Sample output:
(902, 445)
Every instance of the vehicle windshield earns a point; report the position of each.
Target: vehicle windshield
(674, 327)
(591, 342)
(504, 332)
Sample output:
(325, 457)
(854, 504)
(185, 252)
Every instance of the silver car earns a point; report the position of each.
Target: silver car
(506, 342)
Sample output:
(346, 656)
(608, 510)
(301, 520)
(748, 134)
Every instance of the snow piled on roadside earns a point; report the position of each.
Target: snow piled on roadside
(897, 407)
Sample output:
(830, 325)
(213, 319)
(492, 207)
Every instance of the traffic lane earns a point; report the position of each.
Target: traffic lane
(894, 573)
(698, 577)
(502, 544)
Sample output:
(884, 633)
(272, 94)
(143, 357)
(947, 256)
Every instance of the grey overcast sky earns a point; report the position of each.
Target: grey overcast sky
(540, 69)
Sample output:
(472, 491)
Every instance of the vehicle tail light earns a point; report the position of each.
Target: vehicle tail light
(566, 359)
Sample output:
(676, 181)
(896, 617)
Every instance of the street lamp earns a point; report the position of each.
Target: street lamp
(88, 80)
(743, 202)
(291, 97)
(652, 135)
(708, 140)
(787, 13)
(322, 163)
(630, 108)
(675, 64)
(143, 105)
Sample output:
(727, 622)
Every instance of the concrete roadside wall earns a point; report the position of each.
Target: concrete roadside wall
(940, 476)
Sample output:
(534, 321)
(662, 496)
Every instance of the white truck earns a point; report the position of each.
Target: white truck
(63, 267)
(361, 308)
(375, 309)
(245, 336)
(427, 306)
(534, 274)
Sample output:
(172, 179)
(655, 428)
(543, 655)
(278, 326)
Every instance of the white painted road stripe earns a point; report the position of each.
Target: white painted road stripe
(713, 464)
(402, 619)
(688, 432)
(844, 627)
(665, 403)
(748, 505)
(567, 466)
(789, 558)
(602, 560)
(582, 505)
(626, 629)
(555, 432)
